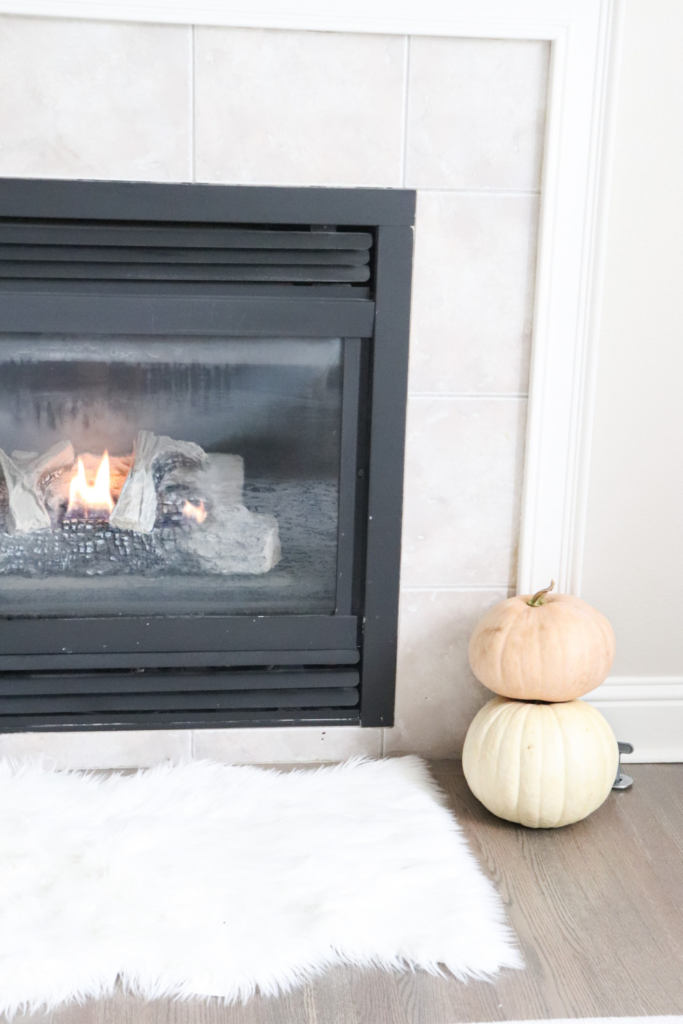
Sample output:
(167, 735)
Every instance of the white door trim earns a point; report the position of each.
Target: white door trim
(585, 37)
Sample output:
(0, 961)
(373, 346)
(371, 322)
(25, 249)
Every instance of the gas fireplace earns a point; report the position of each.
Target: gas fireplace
(202, 404)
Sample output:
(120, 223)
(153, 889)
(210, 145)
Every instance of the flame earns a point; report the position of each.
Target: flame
(195, 512)
(91, 496)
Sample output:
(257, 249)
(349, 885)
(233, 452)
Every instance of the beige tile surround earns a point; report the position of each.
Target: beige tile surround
(462, 121)
(470, 247)
(94, 100)
(288, 108)
(462, 493)
(476, 112)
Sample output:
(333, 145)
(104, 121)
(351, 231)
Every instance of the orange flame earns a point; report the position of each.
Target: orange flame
(195, 512)
(91, 496)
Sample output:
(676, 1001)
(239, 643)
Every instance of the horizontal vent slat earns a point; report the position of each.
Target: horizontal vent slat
(75, 722)
(92, 683)
(109, 661)
(193, 701)
(96, 234)
(174, 272)
(100, 254)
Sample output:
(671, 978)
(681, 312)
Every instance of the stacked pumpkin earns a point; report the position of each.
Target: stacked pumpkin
(536, 754)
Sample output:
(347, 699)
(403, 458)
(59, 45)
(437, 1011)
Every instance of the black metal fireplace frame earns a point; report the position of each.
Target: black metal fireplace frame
(131, 672)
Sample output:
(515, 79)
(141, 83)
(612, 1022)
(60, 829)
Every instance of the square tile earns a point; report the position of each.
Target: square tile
(88, 99)
(476, 113)
(133, 749)
(298, 108)
(288, 746)
(473, 292)
(462, 491)
(436, 694)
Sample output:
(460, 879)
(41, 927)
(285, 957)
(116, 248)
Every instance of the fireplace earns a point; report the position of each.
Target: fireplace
(202, 404)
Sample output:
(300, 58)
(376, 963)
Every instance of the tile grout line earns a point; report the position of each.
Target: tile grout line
(504, 193)
(447, 588)
(498, 396)
(511, 193)
(406, 101)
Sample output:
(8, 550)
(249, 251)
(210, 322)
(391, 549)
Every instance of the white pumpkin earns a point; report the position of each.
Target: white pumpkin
(542, 765)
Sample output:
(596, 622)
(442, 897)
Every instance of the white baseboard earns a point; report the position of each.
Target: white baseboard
(646, 711)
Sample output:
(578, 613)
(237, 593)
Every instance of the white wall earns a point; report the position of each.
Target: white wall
(633, 567)
(463, 122)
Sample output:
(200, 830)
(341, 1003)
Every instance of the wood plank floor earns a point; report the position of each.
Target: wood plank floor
(597, 906)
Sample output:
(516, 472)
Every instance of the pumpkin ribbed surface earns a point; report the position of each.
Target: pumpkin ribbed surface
(541, 765)
(557, 651)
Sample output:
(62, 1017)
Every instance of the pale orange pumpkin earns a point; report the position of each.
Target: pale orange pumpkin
(550, 647)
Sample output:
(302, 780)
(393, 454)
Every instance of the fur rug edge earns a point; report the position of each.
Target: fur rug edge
(160, 987)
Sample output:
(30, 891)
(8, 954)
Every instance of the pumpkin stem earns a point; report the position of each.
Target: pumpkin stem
(537, 599)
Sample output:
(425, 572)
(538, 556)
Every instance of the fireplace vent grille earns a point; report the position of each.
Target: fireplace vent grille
(177, 698)
(103, 251)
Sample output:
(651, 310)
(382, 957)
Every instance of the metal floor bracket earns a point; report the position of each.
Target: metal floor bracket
(623, 781)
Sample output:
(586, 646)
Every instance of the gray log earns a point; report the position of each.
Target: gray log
(235, 540)
(224, 477)
(24, 474)
(231, 539)
(153, 458)
(220, 481)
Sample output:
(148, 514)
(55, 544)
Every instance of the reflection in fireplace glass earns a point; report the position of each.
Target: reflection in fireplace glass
(168, 476)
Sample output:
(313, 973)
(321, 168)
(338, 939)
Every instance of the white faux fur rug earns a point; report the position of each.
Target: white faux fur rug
(209, 880)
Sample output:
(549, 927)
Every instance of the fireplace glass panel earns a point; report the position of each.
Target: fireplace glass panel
(163, 476)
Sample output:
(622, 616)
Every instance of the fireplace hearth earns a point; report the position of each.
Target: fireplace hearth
(202, 405)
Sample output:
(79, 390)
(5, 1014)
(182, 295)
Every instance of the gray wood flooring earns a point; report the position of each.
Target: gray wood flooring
(597, 906)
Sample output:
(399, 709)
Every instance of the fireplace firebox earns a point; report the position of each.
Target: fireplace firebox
(202, 417)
